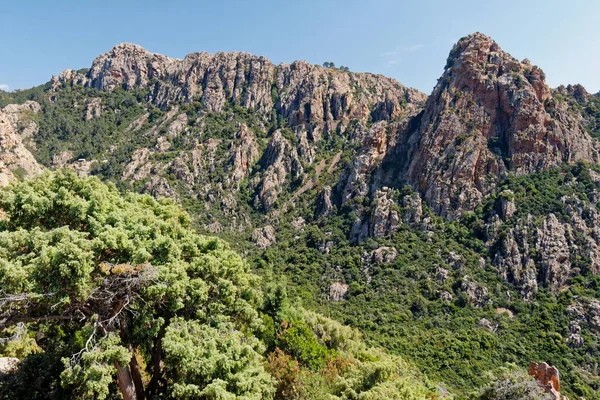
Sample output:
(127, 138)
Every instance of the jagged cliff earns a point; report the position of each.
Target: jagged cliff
(304, 94)
(489, 114)
(16, 125)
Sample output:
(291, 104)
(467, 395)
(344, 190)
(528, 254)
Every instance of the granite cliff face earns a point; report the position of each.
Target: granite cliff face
(16, 125)
(314, 102)
(304, 94)
(489, 114)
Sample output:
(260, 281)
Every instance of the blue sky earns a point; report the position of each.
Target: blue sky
(407, 40)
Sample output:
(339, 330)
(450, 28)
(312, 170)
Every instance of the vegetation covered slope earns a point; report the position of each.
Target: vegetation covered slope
(433, 292)
(317, 176)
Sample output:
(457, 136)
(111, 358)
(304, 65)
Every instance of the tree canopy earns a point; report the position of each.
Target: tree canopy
(134, 286)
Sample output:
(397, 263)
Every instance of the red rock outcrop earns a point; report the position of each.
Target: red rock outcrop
(548, 377)
(489, 114)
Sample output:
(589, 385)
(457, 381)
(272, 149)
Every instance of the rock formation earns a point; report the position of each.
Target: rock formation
(548, 377)
(264, 237)
(16, 161)
(8, 365)
(280, 160)
(489, 114)
(303, 93)
(337, 291)
(555, 242)
(244, 154)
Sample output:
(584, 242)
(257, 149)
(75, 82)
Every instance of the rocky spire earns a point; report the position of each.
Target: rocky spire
(489, 114)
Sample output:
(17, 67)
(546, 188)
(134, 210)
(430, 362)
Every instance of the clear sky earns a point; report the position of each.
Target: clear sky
(407, 40)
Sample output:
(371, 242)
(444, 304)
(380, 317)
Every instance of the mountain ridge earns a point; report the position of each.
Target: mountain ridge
(372, 199)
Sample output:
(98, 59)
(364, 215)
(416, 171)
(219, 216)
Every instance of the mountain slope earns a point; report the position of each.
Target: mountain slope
(108, 295)
(464, 221)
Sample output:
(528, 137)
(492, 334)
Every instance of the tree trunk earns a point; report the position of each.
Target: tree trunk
(129, 377)
(137, 376)
(125, 381)
(154, 386)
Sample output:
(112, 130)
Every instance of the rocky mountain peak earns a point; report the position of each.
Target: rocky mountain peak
(126, 65)
(303, 93)
(128, 48)
(478, 60)
(489, 114)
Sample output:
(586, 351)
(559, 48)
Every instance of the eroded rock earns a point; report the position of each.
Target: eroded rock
(337, 291)
(16, 162)
(264, 237)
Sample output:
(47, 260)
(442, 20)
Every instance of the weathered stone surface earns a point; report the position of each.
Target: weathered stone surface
(384, 254)
(264, 237)
(489, 114)
(442, 274)
(575, 340)
(555, 242)
(552, 245)
(326, 247)
(385, 218)
(178, 125)
(8, 365)
(507, 205)
(304, 94)
(244, 154)
(93, 108)
(412, 212)
(158, 187)
(446, 296)
(281, 159)
(298, 223)
(15, 160)
(214, 227)
(370, 155)
(337, 291)
(68, 77)
(477, 293)
(324, 202)
(454, 260)
(547, 376)
(61, 159)
(487, 324)
(180, 168)
(585, 313)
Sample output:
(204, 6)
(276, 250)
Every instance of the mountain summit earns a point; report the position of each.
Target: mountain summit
(487, 115)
